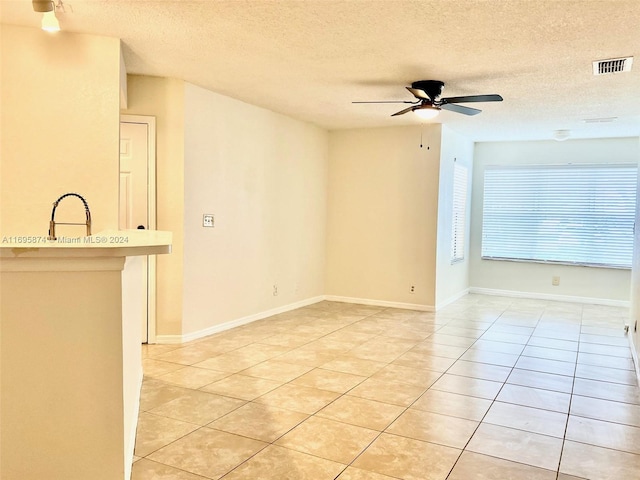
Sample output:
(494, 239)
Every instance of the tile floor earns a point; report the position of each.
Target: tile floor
(487, 388)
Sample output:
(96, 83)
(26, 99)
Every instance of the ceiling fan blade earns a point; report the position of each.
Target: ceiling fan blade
(460, 109)
(406, 110)
(473, 98)
(421, 94)
(388, 101)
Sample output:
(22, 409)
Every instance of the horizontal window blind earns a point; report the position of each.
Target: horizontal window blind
(459, 220)
(577, 214)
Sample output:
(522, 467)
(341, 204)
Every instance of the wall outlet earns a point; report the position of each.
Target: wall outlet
(555, 281)
(207, 220)
(275, 290)
(412, 289)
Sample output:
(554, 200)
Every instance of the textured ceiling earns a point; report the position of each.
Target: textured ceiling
(309, 59)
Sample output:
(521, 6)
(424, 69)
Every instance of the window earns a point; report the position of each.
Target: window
(572, 214)
(458, 227)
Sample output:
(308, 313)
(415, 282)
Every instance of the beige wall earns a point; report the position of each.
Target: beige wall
(59, 124)
(163, 98)
(263, 176)
(635, 285)
(452, 280)
(382, 217)
(600, 283)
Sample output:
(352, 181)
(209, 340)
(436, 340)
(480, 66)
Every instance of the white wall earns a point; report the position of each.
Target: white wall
(579, 282)
(452, 280)
(634, 336)
(59, 125)
(264, 177)
(383, 204)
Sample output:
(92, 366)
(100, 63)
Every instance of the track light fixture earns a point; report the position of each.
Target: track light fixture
(48, 8)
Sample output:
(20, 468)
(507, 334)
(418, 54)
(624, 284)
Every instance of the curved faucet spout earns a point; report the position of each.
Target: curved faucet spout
(52, 222)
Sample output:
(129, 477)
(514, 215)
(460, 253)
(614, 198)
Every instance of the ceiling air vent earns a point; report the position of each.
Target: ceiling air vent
(613, 65)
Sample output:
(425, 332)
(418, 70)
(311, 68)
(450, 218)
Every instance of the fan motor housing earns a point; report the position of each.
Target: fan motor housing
(433, 88)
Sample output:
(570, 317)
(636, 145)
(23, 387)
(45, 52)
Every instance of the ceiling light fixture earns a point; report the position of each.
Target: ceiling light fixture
(427, 112)
(48, 8)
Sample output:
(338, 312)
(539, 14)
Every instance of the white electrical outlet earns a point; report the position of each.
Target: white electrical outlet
(412, 289)
(207, 220)
(555, 281)
(275, 290)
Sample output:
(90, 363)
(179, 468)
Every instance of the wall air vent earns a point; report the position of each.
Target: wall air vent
(613, 65)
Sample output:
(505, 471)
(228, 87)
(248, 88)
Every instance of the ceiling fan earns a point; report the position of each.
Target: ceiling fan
(428, 104)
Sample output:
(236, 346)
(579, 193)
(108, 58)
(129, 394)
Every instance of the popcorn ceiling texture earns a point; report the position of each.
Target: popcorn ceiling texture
(309, 59)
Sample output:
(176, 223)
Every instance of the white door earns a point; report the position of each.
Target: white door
(134, 195)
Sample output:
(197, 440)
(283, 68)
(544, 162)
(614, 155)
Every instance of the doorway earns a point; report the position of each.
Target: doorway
(137, 201)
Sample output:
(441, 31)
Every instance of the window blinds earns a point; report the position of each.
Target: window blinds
(576, 214)
(459, 220)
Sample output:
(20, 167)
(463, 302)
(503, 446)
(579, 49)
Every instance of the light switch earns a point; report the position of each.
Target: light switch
(207, 220)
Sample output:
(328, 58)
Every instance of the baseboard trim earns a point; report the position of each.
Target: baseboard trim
(452, 299)
(548, 296)
(380, 303)
(188, 337)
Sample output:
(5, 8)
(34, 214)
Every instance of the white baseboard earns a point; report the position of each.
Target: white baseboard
(452, 299)
(548, 296)
(380, 303)
(188, 337)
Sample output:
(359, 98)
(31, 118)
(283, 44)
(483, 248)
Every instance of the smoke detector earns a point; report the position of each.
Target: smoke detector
(612, 65)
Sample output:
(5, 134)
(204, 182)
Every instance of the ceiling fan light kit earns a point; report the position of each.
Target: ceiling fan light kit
(428, 104)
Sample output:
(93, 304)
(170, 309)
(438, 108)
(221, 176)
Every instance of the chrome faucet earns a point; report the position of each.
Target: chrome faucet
(52, 222)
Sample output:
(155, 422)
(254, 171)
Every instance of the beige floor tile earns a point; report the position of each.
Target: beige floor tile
(562, 476)
(433, 427)
(493, 358)
(605, 361)
(461, 332)
(517, 446)
(198, 407)
(242, 387)
(468, 386)
(276, 370)
(604, 340)
(623, 352)
(261, 422)
(422, 361)
(278, 463)
(545, 381)
(353, 473)
(328, 439)
(354, 366)
(152, 350)
(435, 349)
(287, 340)
(519, 330)
(408, 459)
(329, 380)
(155, 393)
(148, 470)
(298, 398)
(547, 366)
(230, 362)
(403, 374)
(593, 462)
(607, 391)
(550, 353)
(155, 368)
(605, 374)
(535, 397)
(188, 355)
(361, 412)
(606, 410)
(207, 452)
(483, 371)
(530, 419)
(553, 343)
(305, 356)
(473, 466)
(452, 404)
(191, 377)
(506, 337)
(498, 347)
(401, 394)
(451, 340)
(155, 432)
(604, 434)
